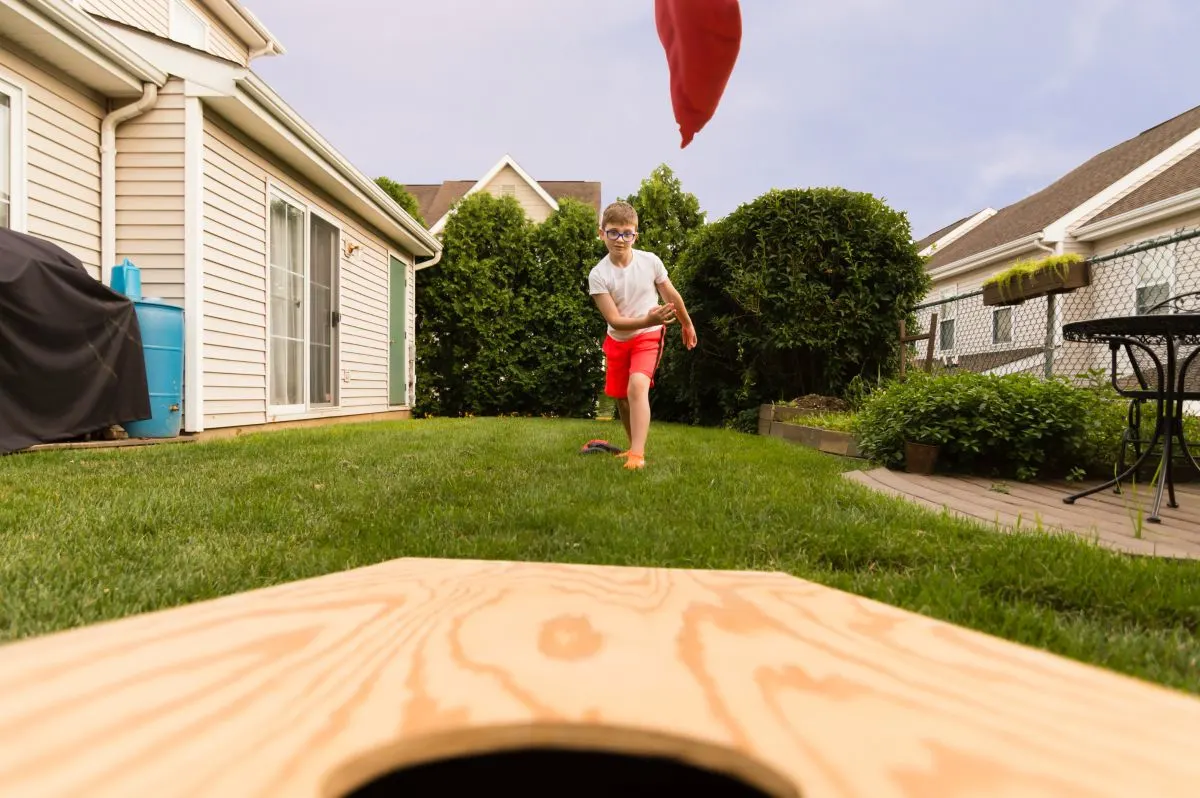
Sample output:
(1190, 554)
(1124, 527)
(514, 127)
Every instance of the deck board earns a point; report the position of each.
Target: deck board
(1108, 519)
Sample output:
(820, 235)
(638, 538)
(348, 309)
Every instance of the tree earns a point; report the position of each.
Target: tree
(402, 196)
(668, 216)
(796, 292)
(504, 322)
(561, 352)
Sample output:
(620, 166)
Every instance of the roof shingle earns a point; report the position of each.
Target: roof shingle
(929, 239)
(1183, 176)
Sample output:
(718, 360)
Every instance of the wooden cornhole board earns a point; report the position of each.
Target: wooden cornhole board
(317, 687)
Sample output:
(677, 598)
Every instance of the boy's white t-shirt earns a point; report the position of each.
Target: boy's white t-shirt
(632, 287)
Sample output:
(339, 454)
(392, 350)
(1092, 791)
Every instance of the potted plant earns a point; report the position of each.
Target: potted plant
(1057, 274)
(920, 458)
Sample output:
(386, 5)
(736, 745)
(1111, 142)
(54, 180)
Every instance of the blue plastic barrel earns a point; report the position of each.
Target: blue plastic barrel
(127, 280)
(162, 343)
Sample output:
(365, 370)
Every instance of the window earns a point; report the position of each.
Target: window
(946, 314)
(1155, 276)
(1002, 326)
(305, 252)
(12, 156)
(187, 26)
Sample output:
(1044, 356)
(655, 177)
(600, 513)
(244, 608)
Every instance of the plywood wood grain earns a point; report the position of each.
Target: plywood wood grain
(313, 688)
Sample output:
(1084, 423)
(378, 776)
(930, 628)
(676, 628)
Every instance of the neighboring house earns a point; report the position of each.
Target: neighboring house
(506, 178)
(135, 129)
(1142, 188)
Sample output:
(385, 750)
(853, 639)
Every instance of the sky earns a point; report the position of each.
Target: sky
(938, 107)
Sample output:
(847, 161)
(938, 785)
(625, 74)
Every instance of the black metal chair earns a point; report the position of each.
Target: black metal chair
(1132, 436)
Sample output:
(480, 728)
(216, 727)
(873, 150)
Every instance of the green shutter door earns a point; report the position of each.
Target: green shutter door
(397, 343)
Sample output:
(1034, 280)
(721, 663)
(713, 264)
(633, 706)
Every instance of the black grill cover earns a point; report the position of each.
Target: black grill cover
(71, 357)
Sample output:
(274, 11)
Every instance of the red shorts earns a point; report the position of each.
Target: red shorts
(638, 355)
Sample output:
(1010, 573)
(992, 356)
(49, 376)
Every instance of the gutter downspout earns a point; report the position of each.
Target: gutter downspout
(108, 175)
(1051, 317)
(425, 264)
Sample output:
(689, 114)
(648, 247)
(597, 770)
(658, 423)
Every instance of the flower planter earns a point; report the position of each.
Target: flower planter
(920, 458)
(773, 421)
(1053, 279)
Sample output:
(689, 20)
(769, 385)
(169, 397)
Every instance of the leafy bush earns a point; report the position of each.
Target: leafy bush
(504, 322)
(1015, 425)
(794, 293)
(403, 198)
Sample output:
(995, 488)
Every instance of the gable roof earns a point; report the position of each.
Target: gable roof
(1180, 178)
(1035, 212)
(952, 232)
(72, 40)
(436, 199)
(937, 234)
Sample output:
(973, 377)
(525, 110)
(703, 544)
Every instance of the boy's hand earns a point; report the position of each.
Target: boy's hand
(689, 336)
(661, 314)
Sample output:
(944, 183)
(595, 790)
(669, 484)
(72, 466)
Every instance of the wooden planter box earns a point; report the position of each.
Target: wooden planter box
(1050, 280)
(773, 420)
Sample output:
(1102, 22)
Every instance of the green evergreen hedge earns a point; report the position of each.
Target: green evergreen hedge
(505, 324)
(797, 292)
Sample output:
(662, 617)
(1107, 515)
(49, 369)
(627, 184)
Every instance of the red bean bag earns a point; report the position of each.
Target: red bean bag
(702, 39)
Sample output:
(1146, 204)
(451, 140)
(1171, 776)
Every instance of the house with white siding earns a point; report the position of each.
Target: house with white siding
(1146, 187)
(538, 198)
(136, 129)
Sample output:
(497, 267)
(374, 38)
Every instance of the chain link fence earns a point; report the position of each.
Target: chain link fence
(1027, 337)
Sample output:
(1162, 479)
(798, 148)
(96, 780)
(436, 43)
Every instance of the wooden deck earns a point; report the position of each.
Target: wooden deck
(1109, 519)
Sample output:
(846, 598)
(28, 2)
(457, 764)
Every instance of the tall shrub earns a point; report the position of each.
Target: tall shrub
(794, 293)
(561, 362)
(503, 321)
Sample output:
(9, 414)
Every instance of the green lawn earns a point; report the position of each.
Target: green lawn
(86, 536)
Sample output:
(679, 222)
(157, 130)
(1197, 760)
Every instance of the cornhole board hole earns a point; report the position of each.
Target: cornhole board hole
(452, 677)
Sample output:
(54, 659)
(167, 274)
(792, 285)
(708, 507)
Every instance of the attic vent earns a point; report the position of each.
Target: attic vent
(187, 27)
(508, 190)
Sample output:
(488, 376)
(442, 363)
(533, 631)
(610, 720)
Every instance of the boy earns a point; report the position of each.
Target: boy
(623, 286)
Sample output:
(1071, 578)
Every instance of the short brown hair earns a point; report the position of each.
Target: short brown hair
(619, 213)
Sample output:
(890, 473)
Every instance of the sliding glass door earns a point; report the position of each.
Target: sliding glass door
(322, 297)
(302, 347)
(286, 351)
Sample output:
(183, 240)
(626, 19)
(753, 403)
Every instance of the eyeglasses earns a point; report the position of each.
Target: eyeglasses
(613, 235)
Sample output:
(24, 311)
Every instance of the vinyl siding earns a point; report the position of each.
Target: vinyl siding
(152, 16)
(235, 286)
(150, 194)
(62, 165)
(535, 207)
(221, 42)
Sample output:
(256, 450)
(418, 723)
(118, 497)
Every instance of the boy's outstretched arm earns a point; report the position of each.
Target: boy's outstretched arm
(667, 291)
(661, 314)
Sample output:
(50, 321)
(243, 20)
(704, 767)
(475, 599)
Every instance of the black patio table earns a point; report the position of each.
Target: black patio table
(1168, 331)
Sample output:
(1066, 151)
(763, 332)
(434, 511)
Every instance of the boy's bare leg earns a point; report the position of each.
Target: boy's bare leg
(639, 413)
(623, 412)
